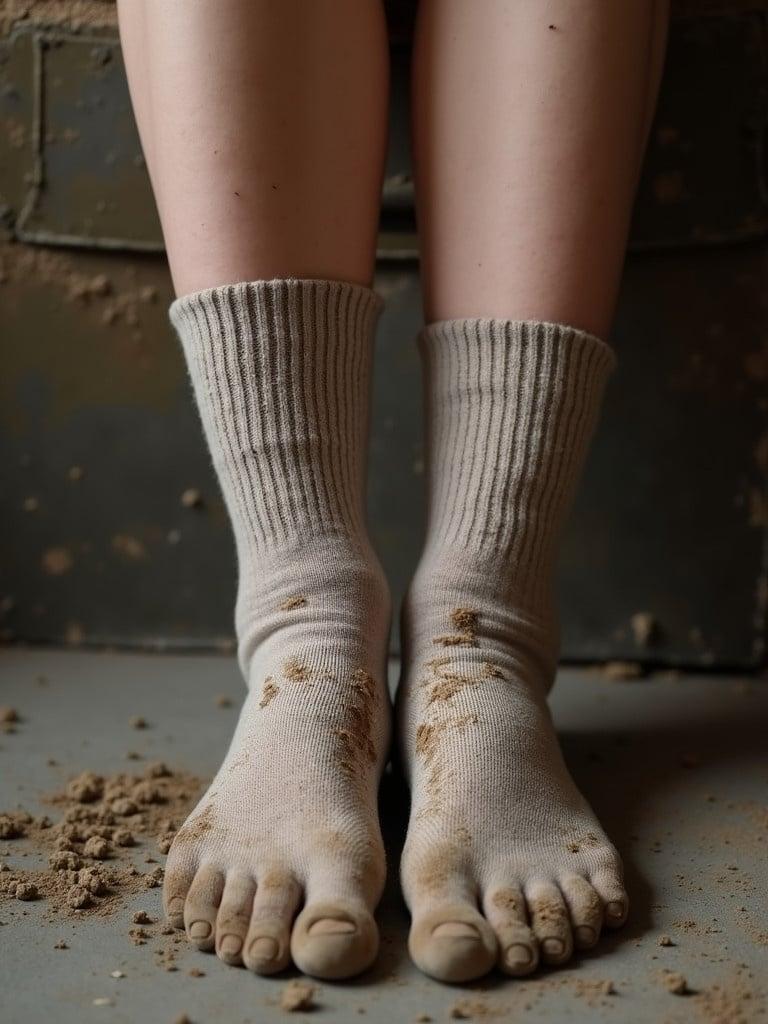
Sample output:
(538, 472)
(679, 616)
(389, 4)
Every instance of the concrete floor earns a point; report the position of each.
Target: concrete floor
(675, 767)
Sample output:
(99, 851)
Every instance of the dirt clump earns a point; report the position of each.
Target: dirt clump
(296, 996)
(88, 849)
(675, 983)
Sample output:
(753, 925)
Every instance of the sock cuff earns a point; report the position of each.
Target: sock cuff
(511, 407)
(457, 342)
(281, 371)
(257, 305)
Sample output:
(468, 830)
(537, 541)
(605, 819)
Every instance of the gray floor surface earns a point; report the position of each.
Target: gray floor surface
(676, 767)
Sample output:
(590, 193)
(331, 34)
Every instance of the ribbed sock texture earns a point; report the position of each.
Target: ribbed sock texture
(281, 373)
(510, 409)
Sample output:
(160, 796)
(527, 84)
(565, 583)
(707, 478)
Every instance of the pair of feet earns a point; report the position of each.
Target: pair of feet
(504, 862)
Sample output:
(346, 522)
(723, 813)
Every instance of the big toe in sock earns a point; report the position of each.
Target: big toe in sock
(452, 942)
(334, 939)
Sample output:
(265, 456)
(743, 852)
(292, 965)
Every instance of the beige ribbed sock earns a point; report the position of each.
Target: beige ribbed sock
(504, 860)
(281, 373)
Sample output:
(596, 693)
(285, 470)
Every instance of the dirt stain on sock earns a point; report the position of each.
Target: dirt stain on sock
(269, 692)
(464, 622)
(357, 748)
(197, 827)
(429, 736)
(296, 671)
(291, 603)
(443, 862)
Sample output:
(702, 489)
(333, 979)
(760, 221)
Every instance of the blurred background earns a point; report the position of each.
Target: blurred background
(113, 530)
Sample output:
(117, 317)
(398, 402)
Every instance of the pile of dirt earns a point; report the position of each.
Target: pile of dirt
(105, 825)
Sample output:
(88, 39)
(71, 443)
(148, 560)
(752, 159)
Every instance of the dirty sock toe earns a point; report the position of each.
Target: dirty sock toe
(505, 910)
(334, 939)
(585, 908)
(234, 916)
(202, 905)
(267, 948)
(452, 942)
(550, 922)
(609, 886)
(176, 883)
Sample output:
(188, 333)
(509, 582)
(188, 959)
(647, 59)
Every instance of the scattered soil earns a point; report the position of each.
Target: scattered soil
(470, 1009)
(297, 995)
(101, 817)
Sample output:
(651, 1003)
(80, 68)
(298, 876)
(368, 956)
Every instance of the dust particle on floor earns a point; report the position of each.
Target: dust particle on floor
(8, 715)
(675, 983)
(297, 995)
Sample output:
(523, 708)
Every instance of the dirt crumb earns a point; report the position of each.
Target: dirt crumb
(291, 603)
(86, 787)
(222, 701)
(137, 722)
(8, 715)
(470, 1009)
(26, 891)
(97, 848)
(665, 940)
(297, 995)
(675, 983)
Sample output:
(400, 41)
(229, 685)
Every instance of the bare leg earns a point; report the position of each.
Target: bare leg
(264, 128)
(529, 125)
(530, 119)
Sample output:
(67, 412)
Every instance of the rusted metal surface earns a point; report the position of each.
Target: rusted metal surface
(664, 560)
